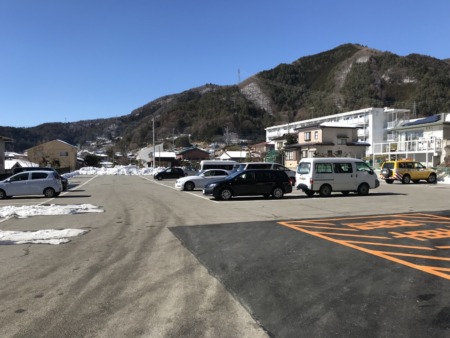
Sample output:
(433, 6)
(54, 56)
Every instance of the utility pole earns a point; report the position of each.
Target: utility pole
(154, 151)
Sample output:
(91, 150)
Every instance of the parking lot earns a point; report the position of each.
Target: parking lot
(162, 262)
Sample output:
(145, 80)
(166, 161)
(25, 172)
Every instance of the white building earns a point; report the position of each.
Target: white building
(426, 140)
(145, 155)
(389, 132)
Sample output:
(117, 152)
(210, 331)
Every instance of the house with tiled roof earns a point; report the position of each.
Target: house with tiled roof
(57, 154)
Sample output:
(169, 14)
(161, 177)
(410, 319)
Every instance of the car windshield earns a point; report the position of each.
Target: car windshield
(234, 174)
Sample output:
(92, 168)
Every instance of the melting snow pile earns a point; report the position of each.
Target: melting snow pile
(48, 236)
(46, 210)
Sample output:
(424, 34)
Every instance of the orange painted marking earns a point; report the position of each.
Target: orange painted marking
(327, 228)
(392, 245)
(360, 236)
(378, 230)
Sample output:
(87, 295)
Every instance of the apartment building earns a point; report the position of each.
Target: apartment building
(387, 132)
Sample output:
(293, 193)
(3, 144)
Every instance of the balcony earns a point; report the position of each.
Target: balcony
(431, 144)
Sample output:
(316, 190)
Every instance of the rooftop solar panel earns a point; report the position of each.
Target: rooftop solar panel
(428, 119)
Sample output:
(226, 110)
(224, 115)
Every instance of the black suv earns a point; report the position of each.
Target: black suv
(64, 181)
(251, 182)
(169, 173)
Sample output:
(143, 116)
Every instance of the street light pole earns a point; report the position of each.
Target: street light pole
(154, 151)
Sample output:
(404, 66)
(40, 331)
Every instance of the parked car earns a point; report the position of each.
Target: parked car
(64, 181)
(265, 182)
(40, 182)
(406, 171)
(190, 171)
(265, 165)
(200, 180)
(169, 173)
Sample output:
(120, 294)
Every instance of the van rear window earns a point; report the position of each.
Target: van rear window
(304, 168)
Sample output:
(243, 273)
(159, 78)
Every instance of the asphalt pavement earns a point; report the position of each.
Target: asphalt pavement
(165, 263)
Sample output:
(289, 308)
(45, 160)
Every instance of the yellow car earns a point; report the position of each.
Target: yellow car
(406, 171)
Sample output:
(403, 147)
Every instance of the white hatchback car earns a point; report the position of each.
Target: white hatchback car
(45, 183)
(200, 180)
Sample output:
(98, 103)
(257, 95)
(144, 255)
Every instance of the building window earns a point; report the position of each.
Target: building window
(307, 136)
(290, 156)
(342, 141)
(316, 135)
(63, 153)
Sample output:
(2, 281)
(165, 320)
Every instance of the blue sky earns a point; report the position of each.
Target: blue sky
(71, 60)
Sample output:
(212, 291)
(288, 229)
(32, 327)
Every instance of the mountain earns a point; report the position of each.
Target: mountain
(348, 77)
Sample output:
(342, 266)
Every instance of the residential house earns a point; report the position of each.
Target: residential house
(3, 140)
(262, 147)
(145, 155)
(56, 154)
(10, 165)
(192, 155)
(261, 150)
(235, 155)
(164, 159)
(327, 139)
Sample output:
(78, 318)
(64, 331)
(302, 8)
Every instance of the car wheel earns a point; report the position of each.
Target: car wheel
(189, 186)
(363, 189)
(309, 193)
(432, 179)
(159, 178)
(389, 181)
(49, 192)
(225, 194)
(386, 172)
(2, 194)
(325, 190)
(277, 193)
(406, 179)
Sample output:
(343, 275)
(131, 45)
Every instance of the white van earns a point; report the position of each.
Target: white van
(327, 174)
(266, 165)
(217, 164)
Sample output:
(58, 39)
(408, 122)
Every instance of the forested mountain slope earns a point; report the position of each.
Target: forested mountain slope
(345, 78)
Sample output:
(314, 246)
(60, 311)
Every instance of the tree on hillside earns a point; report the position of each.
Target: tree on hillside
(92, 160)
(182, 141)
